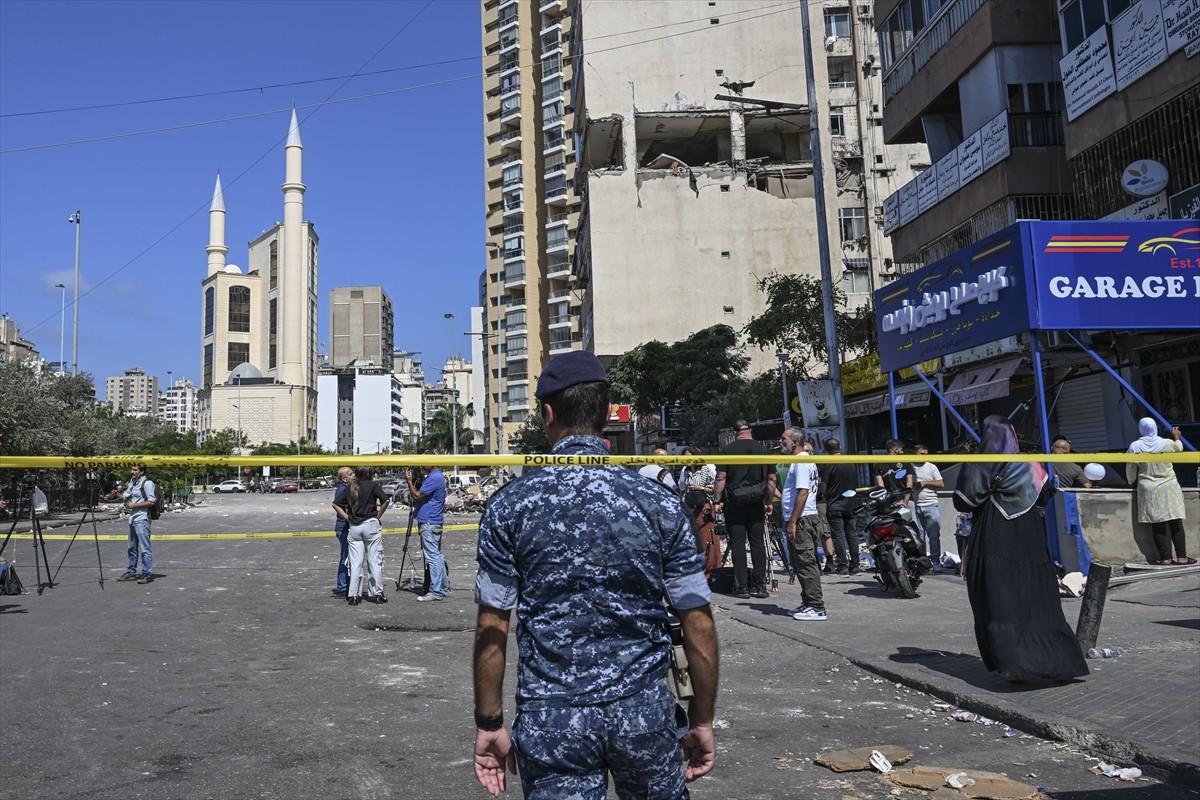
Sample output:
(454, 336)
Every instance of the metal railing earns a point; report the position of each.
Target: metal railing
(927, 43)
(1036, 129)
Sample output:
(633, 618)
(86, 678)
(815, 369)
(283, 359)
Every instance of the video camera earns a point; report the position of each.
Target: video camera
(27, 482)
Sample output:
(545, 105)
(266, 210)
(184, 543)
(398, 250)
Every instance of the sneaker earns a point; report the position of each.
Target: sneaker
(379, 598)
(430, 598)
(761, 594)
(127, 576)
(145, 578)
(827, 569)
(843, 570)
(854, 569)
(811, 615)
(797, 610)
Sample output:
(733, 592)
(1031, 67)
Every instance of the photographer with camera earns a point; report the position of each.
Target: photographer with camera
(429, 492)
(140, 496)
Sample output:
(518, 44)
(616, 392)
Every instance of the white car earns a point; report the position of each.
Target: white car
(231, 485)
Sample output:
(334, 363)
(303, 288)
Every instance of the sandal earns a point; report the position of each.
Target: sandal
(1183, 562)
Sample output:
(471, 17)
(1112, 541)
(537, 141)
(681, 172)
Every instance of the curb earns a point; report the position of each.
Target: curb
(1165, 768)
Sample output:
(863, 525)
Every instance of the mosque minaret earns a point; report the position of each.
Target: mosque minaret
(259, 326)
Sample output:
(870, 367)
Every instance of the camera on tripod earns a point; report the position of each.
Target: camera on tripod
(27, 482)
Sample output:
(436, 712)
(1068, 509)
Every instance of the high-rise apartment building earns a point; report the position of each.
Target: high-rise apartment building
(1047, 110)
(408, 369)
(135, 393)
(177, 408)
(361, 326)
(626, 203)
(259, 327)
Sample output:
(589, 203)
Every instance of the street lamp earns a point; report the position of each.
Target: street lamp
(453, 393)
(830, 320)
(787, 407)
(62, 323)
(75, 220)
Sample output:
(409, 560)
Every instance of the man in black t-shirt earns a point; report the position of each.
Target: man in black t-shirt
(885, 474)
(746, 522)
(842, 512)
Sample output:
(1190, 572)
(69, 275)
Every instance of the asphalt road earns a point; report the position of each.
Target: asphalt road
(237, 675)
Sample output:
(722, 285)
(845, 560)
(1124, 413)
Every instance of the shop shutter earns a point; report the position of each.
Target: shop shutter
(1079, 414)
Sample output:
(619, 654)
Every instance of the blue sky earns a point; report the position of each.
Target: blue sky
(395, 182)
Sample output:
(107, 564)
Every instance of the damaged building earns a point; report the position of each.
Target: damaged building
(667, 205)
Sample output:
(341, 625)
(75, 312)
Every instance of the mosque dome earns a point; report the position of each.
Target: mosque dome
(232, 269)
(243, 371)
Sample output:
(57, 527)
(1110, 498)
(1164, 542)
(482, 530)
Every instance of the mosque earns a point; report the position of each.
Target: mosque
(259, 327)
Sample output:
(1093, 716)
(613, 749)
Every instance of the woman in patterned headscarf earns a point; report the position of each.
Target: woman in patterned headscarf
(1011, 581)
(1159, 498)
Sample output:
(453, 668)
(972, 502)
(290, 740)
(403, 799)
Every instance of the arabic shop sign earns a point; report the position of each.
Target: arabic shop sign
(975, 296)
(1089, 275)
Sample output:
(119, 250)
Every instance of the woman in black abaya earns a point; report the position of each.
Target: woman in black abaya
(1011, 581)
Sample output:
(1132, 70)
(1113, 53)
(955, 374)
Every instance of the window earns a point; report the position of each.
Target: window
(837, 23)
(514, 246)
(514, 320)
(510, 82)
(841, 73)
(272, 334)
(512, 174)
(856, 281)
(273, 268)
(552, 89)
(516, 346)
(208, 365)
(1081, 18)
(556, 184)
(210, 310)
(556, 237)
(513, 200)
(510, 105)
(238, 353)
(551, 65)
(517, 395)
(853, 224)
(239, 310)
(837, 121)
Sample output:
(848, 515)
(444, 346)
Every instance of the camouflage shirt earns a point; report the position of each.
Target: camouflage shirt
(586, 556)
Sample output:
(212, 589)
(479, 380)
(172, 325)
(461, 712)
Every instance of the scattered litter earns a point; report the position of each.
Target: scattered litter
(986, 721)
(1129, 774)
(880, 762)
(941, 706)
(964, 716)
(1071, 584)
(1009, 732)
(860, 758)
(989, 785)
(1104, 652)
(1113, 771)
(959, 780)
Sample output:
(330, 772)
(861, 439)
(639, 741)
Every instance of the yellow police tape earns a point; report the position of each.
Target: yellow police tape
(85, 533)
(554, 460)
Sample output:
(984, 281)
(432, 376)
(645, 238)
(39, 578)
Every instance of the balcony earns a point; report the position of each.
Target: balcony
(508, 39)
(514, 274)
(510, 108)
(1043, 129)
(514, 223)
(551, 38)
(550, 6)
(936, 34)
(510, 142)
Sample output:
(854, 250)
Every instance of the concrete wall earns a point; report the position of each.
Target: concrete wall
(657, 250)
(1109, 525)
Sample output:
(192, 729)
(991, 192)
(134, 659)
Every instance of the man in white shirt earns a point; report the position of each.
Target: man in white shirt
(799, 501)
(927, 479)
(657, 472)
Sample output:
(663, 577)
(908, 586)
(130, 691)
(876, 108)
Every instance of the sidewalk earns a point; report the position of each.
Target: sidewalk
(1141, 708)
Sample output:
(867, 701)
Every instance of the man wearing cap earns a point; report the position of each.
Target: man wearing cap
(587, 556)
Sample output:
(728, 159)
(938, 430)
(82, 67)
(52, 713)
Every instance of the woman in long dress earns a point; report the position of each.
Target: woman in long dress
(1159, 497)
(1011, 580)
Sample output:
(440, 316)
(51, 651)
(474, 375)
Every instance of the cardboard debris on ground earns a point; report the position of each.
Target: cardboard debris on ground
(987, 786)
(859, 758)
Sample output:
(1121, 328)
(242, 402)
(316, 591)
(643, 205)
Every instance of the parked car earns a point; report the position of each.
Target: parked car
(231, 485)
(287, 486)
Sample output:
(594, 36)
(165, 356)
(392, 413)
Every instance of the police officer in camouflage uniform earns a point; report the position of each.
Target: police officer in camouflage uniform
(587, 555)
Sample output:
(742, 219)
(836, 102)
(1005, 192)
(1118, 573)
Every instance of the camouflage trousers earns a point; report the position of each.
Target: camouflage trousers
(567, 753)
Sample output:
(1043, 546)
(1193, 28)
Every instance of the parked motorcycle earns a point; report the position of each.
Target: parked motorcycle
(893, 540)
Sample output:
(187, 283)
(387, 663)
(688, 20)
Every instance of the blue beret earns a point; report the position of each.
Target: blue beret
(577, 366)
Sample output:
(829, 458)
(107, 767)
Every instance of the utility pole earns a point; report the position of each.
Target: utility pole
(75, 220)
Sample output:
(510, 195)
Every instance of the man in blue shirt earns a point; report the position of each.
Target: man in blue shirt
(431, 505)
(341, 527)
(140, 495)
(587, 555)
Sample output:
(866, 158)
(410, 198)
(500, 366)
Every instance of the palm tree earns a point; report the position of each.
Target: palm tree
(439, 434)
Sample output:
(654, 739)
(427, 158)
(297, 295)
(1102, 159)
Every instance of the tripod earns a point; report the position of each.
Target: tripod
(91, 509)
(25, 498)
(412, 578)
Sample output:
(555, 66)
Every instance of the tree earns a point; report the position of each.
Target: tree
(530, 437)
(693, 372)
(794, 323)
(439, 434)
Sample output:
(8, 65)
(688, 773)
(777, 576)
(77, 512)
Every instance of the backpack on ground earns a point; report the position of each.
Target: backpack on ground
(9, 582)
(155, 511)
